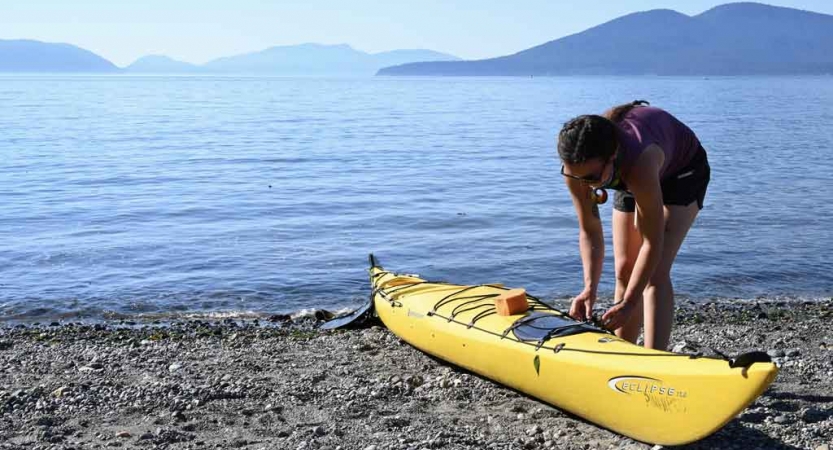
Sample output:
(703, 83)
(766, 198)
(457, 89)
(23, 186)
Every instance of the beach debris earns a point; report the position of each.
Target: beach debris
(61, 391)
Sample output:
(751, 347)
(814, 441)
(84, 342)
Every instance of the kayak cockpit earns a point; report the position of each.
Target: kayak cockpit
(543, 326)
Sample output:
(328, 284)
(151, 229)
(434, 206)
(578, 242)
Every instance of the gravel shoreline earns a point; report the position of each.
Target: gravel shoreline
(282, 384)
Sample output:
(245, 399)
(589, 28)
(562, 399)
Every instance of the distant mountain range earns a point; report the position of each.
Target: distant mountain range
(305, 59)
(34, 56)
(315, 59)
(160, 64)
(733, 39)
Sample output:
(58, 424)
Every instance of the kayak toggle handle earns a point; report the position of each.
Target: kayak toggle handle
(747, 359)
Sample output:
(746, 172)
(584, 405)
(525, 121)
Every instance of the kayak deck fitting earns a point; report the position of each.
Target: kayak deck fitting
(649, 395)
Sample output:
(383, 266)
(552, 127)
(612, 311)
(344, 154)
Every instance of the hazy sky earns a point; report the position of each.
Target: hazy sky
(200, 30)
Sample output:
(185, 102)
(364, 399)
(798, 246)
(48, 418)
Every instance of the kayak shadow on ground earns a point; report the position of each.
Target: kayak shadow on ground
(810, 398)
(735, 432)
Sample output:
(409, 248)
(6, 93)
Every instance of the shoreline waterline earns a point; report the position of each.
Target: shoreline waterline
(563, 303)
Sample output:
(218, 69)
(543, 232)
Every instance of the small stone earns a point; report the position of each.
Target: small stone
(783, 420)
(123, 435)
(371, 447)
(657, 447)
(146, 437)
(775, 353)
(319, 431)
(680, 347)
(414, 381)
(61, 391)
(813, 415)
(823, 447)
(793, 352)
(533, 431)
(45, 421)
(174, 367)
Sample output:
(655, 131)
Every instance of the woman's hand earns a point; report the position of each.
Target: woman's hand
(617, 316)
(582, 307)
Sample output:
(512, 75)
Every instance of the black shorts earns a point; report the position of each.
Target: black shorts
(686, 186)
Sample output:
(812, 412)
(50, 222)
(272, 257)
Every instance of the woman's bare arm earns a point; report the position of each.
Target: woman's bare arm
(591, 246)
(643, 181)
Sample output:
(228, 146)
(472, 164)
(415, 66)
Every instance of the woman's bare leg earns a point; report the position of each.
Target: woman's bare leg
(626, 244)
(659, 294)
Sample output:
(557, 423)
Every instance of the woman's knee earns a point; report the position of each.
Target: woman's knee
(623, 271)
(660, 281)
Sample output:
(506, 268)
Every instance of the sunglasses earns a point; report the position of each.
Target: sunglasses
(592, 180)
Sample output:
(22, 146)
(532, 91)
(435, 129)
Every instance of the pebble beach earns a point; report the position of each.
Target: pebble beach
(280, 383)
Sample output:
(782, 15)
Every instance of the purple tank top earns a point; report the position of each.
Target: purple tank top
(646, 125)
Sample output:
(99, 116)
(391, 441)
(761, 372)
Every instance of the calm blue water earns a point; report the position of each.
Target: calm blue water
(130, 196)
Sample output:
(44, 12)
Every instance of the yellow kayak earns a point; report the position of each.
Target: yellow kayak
(651, 396)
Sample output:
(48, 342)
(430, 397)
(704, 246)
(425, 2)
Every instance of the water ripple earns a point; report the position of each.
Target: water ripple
(222, 196)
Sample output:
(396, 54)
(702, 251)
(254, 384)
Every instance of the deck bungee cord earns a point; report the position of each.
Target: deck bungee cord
(450, 298)
(393, 296)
